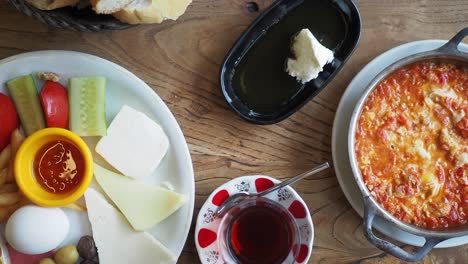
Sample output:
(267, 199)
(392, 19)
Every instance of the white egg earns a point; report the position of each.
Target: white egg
(34, 230)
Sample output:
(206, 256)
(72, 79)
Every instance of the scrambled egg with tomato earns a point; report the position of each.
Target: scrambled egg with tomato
(412, 144)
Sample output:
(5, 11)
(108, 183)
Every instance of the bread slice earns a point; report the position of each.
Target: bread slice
(139, 4)
(109, 6)
(156, 12)
(52, 4)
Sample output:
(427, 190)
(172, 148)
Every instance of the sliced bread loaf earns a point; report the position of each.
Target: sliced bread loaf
(156, 12)
(109, 6)
(138, 5)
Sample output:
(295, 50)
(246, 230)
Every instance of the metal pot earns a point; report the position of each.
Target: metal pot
(447, 53)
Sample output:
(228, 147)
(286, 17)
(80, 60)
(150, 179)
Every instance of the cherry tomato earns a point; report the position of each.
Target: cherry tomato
(54, 100)
(8, 120)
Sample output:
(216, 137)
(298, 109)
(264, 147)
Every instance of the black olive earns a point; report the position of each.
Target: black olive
(86, 248)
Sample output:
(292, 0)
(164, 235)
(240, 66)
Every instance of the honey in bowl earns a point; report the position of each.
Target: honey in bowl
(71, 165)
(59, 167)
(261, 232)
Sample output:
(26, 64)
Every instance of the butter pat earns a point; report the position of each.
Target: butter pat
(143, 205)
(134, 145)
(310, 57)
(116, 241)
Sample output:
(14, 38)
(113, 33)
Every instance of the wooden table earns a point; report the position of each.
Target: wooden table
(181, 60)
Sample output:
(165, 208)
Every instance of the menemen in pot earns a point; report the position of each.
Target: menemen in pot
(412, 144)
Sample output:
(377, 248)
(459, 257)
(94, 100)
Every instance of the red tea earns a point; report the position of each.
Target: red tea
(260, 234)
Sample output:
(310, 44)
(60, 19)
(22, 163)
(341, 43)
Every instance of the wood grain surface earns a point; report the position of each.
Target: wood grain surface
(181, 60)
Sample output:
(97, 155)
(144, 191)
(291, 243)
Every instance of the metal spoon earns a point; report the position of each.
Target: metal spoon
(238, 197)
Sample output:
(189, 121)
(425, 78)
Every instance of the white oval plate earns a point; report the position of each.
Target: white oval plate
(123, 87)
(340, 134)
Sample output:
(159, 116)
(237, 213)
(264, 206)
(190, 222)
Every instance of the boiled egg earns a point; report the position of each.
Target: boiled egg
(35, 230)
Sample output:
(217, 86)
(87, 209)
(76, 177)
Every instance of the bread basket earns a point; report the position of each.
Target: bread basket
(69, 18)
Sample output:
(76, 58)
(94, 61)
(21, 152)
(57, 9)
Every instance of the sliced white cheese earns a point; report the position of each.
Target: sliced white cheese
(116, 241)
(134, 145)
(310, 57)
(144, 205)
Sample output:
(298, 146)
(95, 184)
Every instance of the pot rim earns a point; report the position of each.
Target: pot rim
(448, 52)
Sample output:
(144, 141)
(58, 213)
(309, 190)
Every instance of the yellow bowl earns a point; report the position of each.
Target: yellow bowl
(24, 168)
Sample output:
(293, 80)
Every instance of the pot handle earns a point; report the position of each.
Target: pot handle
(452, 45)
(369, 213)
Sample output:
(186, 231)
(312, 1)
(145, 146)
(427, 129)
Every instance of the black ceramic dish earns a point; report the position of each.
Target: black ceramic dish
(335, 23)
(71, 18)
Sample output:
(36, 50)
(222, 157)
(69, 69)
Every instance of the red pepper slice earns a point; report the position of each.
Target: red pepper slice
(8, 120)
(54, 100)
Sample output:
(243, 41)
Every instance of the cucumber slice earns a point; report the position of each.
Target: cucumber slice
(87, 99)
(24, 93)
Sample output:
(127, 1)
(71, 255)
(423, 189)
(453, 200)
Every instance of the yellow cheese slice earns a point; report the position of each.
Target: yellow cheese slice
(143, 205)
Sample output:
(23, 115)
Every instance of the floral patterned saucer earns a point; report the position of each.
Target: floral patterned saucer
(207, 225)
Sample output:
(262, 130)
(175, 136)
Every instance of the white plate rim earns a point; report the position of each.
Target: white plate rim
(361, 80)
(147, 91)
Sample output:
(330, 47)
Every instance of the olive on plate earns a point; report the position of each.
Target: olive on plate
(87, 261)
(67, 255)
(87, 248)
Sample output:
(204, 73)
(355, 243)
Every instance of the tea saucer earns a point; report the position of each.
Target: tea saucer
(207, 225)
